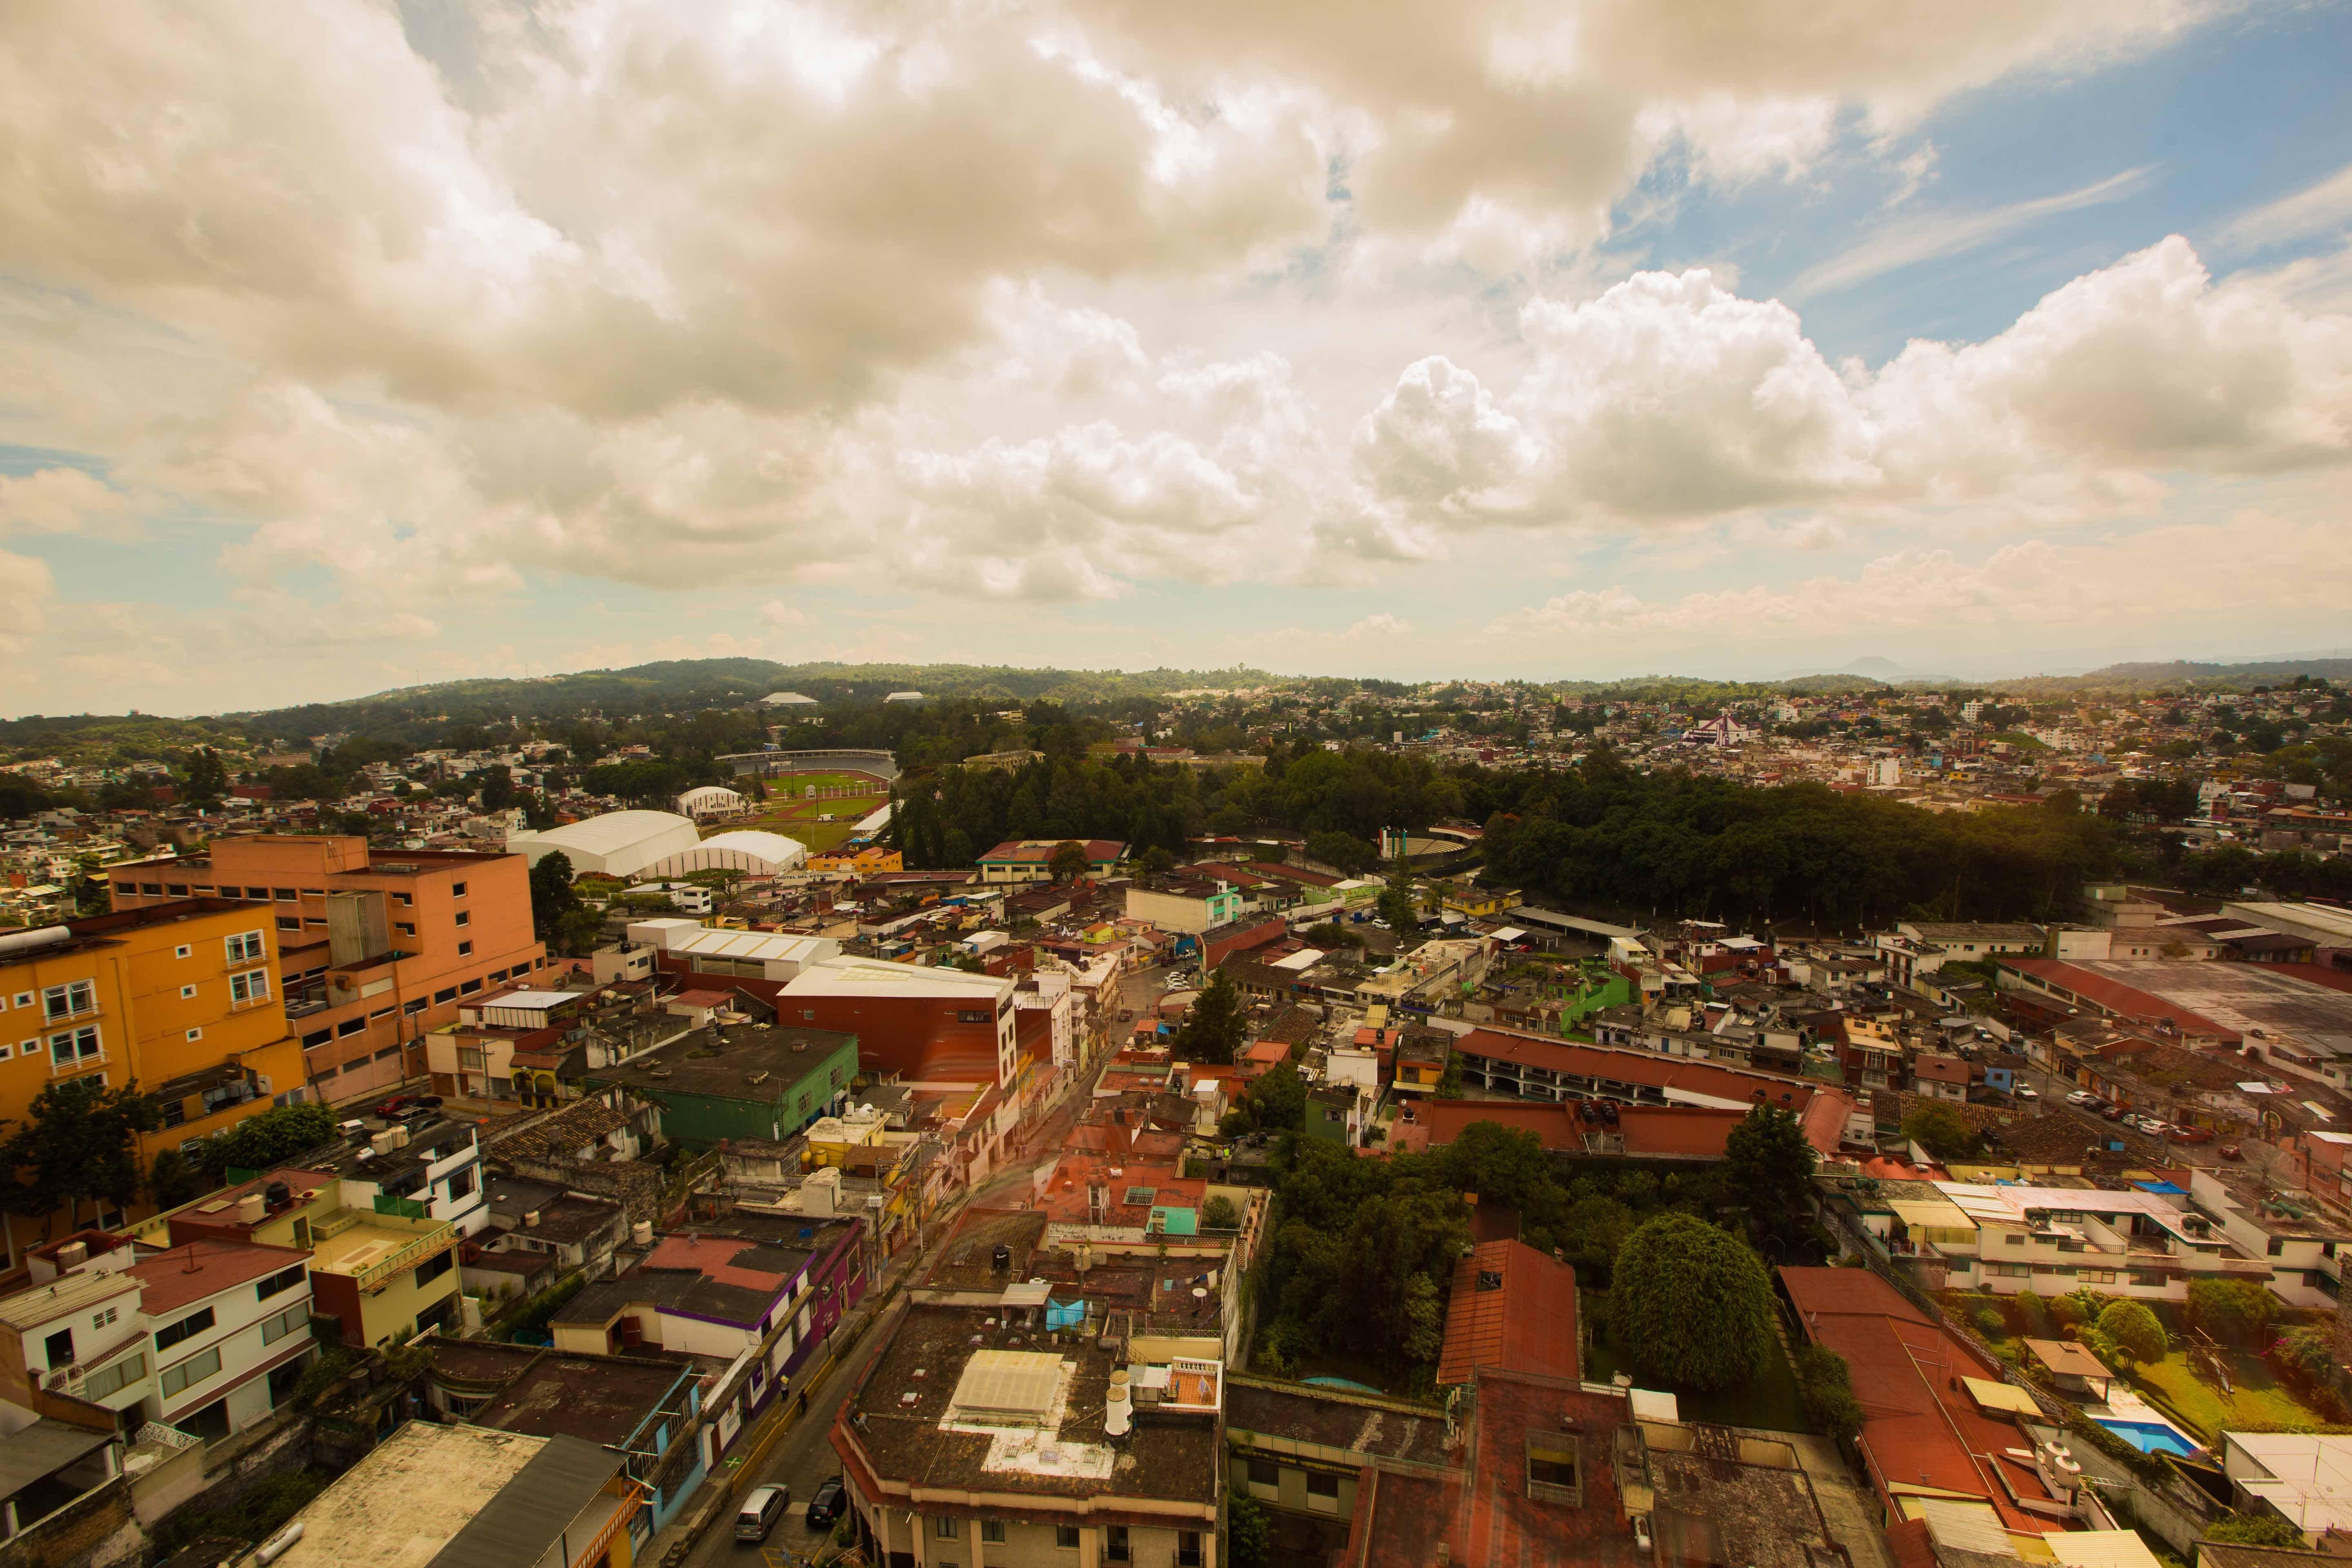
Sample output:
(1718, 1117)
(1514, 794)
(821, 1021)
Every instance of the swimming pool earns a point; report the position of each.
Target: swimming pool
(2149, 1436)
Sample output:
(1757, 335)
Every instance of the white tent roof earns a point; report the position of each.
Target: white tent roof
(614, 830)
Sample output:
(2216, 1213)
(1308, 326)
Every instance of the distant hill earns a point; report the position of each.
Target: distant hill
(715, 683)
(2183, 674)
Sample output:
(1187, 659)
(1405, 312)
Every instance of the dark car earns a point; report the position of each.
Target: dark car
(404, 1104)
(826, 1503)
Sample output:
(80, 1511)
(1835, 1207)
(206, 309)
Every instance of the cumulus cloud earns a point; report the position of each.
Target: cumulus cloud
(62, 500)
(1669, 397)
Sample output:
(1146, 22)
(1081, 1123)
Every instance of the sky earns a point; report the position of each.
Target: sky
(348, 345)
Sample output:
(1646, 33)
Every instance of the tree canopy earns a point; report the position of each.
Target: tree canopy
(1769, 1166)
(1691, 1304)
(77, 1146)
(1215, 1030)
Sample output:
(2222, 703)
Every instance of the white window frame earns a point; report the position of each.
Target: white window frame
(89, 1045)
(247, 946)
(71, 1000)
(251, 987)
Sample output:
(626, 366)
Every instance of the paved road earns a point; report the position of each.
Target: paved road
(802, 1459)
(803, 1456)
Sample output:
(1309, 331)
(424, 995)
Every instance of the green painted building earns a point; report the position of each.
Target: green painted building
(745, 1080)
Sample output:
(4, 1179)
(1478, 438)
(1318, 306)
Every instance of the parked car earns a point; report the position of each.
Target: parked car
(2112, 1113)
(760, 1510)
(2028, 1092)
(2228, 1151)
(2192, 1134)
(400, 1105)
(824, 1506)
(2081, 1097)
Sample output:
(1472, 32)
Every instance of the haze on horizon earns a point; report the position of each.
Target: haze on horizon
(355, 345)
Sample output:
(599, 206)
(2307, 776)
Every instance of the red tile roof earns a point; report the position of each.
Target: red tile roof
(200, 1268)
(2117, 997)
(714, 1258)
(1919, 1427)
(1526, 1320)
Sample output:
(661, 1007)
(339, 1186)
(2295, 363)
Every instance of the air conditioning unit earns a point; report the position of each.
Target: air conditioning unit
(261, 1084)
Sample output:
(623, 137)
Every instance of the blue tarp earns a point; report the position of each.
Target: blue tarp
(1064, 1315)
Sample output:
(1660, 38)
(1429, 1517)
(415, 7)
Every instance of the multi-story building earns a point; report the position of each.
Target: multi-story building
(741, 1081)
(181, 998)
(971, 1440)
(373, 948)
(1191, 904)
(925, 1024)
(208, 1337)
(382, 1219)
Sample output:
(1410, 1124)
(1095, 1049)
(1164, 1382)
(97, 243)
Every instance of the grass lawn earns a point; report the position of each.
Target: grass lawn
(1770, 1403)
(784, 784)
(2256, 1396)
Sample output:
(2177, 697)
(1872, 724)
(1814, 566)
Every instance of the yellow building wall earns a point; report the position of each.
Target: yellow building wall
(156, 985)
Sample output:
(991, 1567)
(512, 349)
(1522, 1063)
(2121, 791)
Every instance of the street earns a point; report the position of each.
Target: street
(804, 1458)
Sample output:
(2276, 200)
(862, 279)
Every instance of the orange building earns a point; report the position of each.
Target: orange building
(182, 998)
(376, 947)
(862, 859)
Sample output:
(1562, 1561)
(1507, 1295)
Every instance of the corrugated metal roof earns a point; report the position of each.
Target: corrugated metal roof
(71, 1293)
(531, 1512)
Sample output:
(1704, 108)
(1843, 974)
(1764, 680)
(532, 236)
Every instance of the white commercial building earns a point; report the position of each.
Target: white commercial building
(745, 849)
(617, 844)
(710, 800)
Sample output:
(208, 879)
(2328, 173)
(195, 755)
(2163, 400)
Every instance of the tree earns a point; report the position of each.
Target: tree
(77, 1147)
(1943, 1131)
(1397, 905)
(1249, 1536)
(2258, 1529)
(271, 1138)
(538, 811)
(206, 780)
(1158, 861)
(497, 785)
(1768, 1162)
(1341, 852)
(1275, 1102)
(1214, 1030)
(1221, 1213)
(551, 894)
(1068, 863)
(1425, 1316)
(174, 1181)
(2134, 1330)
(1691, 1304)
(1825, 1385)
(2237, 1311)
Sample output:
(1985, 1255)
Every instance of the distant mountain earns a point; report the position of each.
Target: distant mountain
(1875, 667)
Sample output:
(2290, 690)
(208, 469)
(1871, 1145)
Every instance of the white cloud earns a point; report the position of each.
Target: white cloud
(62, 500)
(2324, 206)
(1909, 241)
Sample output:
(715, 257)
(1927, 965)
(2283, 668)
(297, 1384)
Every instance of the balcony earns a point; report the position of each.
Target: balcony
(372, 1250)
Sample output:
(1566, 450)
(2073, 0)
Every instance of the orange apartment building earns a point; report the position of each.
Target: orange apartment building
(182, 998)
(376, 947)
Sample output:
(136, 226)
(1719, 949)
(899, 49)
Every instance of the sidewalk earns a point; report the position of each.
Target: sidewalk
(715, 1498)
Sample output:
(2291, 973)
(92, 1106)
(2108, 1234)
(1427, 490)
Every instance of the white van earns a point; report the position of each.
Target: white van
(760, 1510)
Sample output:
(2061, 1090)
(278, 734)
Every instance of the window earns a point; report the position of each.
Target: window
(115, 1376)
(2098, 1276)
(284, 895)
(1065, 1536)
(293, 1320)
(60, 1349)
(1115, 1543)
(77, 1045)
(349, 1027)
(2145, 1276)
(152, 889)
(24, 998)
(470, 986)
(405, 927)
(184, 950)
(127, 889)
(177, 889)
(973, 1016)
(102, 1319)
(413, 1006)
(187, 1328)
(465, 917)
(1551, 1469)
(251, 987)
(289, 922)
(405, 900)
(946, 1529)
(189, 1373)
(497, 975)
(175, 1112)
(2014, 1240)
(991, 1531)
(446, 994)
(1264, 1473)
(187, 993)
(2278, 1246)
(196, 1035)
(465, 948)
(435, 1267)
(65, 1001)
(260, 893)
(284, 1279)
(247, 946)
(461, 1184)
(318, 1037)
(388, 1054)
(456, 890)
(1187, 1548)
